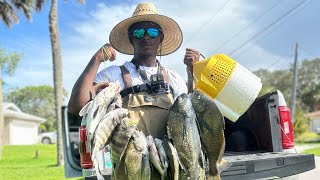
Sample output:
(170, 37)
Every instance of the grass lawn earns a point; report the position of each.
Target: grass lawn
(315, 151)
(19, 162)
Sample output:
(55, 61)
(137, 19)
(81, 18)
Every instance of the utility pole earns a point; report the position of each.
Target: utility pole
(294, 84)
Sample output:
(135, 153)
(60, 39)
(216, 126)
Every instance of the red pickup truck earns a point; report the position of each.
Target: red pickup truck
(259, 145)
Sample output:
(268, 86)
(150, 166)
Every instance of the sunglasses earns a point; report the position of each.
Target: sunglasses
(140, 32)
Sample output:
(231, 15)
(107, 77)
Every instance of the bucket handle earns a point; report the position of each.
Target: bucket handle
(190, 75)
(190, 78)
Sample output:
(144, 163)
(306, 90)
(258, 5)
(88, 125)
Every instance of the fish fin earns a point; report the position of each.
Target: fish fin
(204, 125)
(85, 109)
(124, 150)
(126, 172)
(168, 132)
(184, 130)
(96, 165)
(143, 165)
(201, 160)
(223, 165)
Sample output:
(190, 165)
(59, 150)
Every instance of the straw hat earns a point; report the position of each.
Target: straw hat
(119, 37)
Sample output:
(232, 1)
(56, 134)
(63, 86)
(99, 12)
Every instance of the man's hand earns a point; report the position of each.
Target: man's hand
(191, 57)
(106, 52)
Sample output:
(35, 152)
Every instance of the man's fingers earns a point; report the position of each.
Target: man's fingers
(191, 56)
(111, 52)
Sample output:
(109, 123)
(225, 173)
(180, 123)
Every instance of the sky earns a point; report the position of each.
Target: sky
(256, 34)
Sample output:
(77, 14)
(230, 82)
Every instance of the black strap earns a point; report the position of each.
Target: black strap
(142, 73)
(135, 89)
(140, 88)
(129, 89)
(127, 80)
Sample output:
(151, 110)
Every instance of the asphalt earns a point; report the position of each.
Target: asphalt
(312, 174)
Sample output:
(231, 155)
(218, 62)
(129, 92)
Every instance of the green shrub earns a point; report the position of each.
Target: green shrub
(307, 137)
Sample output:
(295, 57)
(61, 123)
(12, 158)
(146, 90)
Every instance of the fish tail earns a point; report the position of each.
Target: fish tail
(142, 165)
(215, 177)
(223, 165)
(98, 172)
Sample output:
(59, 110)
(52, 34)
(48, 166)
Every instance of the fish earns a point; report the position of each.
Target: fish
(211, 126)
(94, 111)
(173, 159)
(155, 159)
(120, 140)
(116, 103)
(99, 107)
(162, 154)
(137, 165)
(183, 131)
(104, 132)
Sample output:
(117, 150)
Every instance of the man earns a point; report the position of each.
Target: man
(144, 35)
(144, 49)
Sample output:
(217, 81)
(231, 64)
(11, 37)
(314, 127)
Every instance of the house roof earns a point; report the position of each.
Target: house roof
(11, 110)
(315, 114)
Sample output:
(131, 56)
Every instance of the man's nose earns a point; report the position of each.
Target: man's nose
(146, 36)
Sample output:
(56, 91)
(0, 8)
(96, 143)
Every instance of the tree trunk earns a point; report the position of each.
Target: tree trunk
(57, 75)
(1, 116)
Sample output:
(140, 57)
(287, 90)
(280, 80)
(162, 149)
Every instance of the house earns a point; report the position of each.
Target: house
(314, 121)
(19, 127)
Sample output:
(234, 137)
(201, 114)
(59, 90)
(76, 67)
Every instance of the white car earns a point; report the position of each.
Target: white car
(48, 137)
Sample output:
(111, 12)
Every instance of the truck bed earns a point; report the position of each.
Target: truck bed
(259, 165)
(263, 165)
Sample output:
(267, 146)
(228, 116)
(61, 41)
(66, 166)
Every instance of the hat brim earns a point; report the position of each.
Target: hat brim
(119, 37)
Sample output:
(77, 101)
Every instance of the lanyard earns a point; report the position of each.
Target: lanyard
(143, 73)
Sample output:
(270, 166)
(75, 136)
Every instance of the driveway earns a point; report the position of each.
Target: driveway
(315, 173)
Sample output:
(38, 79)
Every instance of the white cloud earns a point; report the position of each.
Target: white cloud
(200, 32)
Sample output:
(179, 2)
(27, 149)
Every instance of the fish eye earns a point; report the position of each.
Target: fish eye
(198, 97)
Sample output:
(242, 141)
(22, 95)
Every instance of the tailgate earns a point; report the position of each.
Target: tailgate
(263, 165)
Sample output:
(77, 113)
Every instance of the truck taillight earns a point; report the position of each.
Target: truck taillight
(286, 127)
(85, 156)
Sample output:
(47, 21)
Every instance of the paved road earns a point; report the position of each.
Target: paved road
(315, 173)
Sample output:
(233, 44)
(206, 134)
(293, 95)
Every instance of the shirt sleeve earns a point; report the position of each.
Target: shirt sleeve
(178, 84)
(110, 74)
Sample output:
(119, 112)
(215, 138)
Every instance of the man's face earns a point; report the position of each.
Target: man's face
(144, 42)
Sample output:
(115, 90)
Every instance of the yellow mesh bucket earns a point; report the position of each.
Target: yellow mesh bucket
(211, 74)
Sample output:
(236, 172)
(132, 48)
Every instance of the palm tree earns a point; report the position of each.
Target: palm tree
(8, 9)
(57, 74)
(7, 13)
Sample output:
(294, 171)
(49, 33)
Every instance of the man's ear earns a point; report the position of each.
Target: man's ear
(130, 39)
(161, 38)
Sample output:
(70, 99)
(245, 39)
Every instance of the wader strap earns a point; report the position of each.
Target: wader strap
(126, 77)
(165, 74)
(142, 73)
(141, 88)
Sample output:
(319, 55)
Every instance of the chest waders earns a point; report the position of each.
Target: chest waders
(149, 110)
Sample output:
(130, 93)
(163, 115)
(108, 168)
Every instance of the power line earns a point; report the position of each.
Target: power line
(246, 27)
(277, 61)
(307, 51)
(269, 26)
(265, 35)
(285, 65)
(208, 21)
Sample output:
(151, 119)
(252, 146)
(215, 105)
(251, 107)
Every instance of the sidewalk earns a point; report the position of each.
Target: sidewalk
(315, 173)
